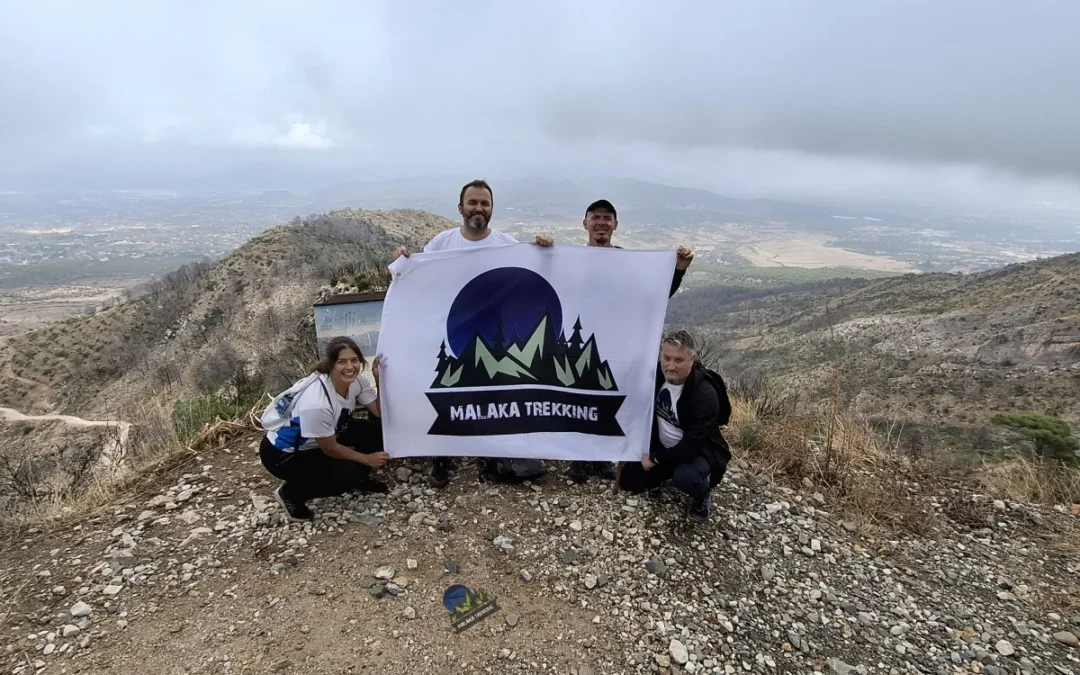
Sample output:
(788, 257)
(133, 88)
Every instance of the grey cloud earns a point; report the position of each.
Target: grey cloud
(990, 83)
(487, 85)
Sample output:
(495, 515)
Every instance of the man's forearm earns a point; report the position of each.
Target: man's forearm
(676, 281)
(680, 453)
(339, 451)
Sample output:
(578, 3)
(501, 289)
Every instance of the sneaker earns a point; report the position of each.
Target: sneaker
(579, 471)
(699, 509)
(297, 511)
(605, 470)
(439, 477)
(372, 485)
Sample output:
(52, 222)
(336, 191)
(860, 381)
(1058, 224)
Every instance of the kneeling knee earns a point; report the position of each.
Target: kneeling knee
(688, 479)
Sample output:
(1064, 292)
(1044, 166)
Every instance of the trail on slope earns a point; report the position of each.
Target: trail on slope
(12, 415)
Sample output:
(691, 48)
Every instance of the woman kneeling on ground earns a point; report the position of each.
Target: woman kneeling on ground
(313, 443)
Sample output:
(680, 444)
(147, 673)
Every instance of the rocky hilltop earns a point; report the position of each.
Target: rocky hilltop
(201, 574)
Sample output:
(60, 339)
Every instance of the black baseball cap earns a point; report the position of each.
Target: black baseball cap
(602, 205)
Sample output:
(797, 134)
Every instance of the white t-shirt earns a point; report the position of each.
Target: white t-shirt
(449, 240)
(317, 416)
(667, 414)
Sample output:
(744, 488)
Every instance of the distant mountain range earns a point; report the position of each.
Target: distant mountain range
(524, 199)
(546, 199)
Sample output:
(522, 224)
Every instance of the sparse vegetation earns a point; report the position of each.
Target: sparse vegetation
(1033, 480)
(192, 415)
(835, 453)
(1052, 437)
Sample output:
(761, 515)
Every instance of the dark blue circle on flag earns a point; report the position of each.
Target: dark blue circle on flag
(512, 300)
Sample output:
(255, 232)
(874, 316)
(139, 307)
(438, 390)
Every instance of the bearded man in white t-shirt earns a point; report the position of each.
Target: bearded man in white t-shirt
(475, 204)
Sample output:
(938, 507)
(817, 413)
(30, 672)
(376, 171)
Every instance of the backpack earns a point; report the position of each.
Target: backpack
(279, 413)
(519, 469)
(717, 381)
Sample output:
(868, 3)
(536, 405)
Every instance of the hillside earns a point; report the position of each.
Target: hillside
(937, 349)
(204, 342)
(251, 299)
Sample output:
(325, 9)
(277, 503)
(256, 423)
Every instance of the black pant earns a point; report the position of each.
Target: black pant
(312, 473)
(691, 477)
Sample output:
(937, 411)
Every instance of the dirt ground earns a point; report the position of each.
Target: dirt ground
(238, 614)
(199, 573)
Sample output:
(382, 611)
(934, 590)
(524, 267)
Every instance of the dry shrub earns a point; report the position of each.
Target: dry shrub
(838, 454)
(1034, 480)
(151, 447)
(966, 511)
(44, 461)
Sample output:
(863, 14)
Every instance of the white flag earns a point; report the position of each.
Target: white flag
(522, 351)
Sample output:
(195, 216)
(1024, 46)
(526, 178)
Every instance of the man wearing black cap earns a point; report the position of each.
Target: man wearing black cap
(600, 222)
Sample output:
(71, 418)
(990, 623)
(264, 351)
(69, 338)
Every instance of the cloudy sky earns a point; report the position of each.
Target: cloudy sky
(970, 99)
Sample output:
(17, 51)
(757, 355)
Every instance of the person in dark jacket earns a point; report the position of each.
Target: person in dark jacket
(687, 447)
(600, 223)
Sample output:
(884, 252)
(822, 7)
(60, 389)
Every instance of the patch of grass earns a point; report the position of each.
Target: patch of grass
(192, 415)
(836, 453)
(1034, 480)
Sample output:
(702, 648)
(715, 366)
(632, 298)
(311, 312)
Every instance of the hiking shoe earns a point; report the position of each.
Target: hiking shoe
(579, 471)
(297, 511)
(439, 476)
(487, 471)
(699, 509)
(372, 485)
(605, 470)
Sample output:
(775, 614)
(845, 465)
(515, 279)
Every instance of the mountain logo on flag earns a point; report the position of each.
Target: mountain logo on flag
(505, 329)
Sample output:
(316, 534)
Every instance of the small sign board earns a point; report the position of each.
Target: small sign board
(356, 315)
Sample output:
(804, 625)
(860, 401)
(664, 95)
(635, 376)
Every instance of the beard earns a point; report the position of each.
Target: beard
(477, 221)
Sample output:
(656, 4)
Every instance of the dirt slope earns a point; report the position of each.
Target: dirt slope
(941, 349)
(202, 576)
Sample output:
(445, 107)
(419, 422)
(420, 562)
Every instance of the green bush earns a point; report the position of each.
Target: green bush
(190, 415)
(1052, 437)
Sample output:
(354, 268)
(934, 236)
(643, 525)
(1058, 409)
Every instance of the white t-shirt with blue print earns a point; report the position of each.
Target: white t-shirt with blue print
(320, 412)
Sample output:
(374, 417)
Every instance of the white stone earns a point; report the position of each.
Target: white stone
(80, 609)
(678, 652)
(385, 572)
